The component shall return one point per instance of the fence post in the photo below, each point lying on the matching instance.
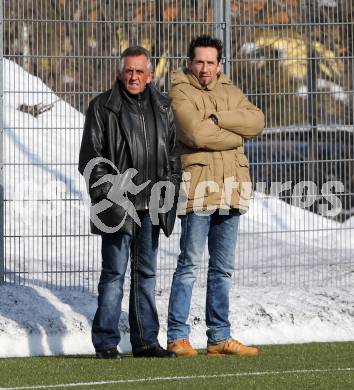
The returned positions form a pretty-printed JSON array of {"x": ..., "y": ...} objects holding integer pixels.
[
  {"x": 2, "y": 219},
  {"x": 312, "y": 97},
  {"x": 227, "y": 37},
  {"x": 218, "y": 19},
  {"x": 159, "y": 30},
  {"x": 221, "y": 29}
]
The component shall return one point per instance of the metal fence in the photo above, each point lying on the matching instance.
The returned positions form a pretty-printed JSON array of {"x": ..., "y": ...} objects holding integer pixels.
[{"x": 293, "y": 59}]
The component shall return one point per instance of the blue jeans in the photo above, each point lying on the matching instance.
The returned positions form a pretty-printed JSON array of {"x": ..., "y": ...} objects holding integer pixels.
[
  {"x": 221, "y": 231},
  {"x": 143, "y": 318}
]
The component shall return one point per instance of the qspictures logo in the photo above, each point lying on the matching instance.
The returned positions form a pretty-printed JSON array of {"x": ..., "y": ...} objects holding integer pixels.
[
  {"x": 123, "y": 189},
  {"x": 36, "y": 202}
]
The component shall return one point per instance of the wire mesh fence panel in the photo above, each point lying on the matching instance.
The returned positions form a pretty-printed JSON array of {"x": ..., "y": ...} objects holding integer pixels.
[{"x": 292, "y": 58}]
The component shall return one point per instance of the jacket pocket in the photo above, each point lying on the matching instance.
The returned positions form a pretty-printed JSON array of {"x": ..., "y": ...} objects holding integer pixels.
[
  {"x": 196, "y": 170},
  {"x": 244, "y": 179},
  {"x": 242, "y": 168}
]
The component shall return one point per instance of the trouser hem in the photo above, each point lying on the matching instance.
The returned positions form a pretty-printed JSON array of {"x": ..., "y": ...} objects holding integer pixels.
[
  {"x": 145, "y": 347},
  {"x": 105, "y": 348},
  {"x": 218, "y": 341}
]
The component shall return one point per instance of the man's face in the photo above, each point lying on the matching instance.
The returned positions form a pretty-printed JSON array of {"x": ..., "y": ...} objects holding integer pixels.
[
  {"x": 204, "y": 65},
  {"x": 136, "y": 74}
]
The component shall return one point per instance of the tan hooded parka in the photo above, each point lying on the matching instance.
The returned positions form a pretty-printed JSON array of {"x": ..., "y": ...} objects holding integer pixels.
[{"x": 215, "y": 168}]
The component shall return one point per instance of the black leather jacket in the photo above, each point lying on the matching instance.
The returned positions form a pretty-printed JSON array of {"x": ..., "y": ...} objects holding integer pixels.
[{"x": 110, "y": 132}]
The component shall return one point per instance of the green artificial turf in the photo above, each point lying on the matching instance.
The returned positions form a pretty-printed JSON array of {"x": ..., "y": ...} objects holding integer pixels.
[{"x": 273, "y": 369}]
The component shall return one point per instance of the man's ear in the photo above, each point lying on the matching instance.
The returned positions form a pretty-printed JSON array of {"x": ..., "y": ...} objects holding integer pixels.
[
  {"x": 150, "y": 77},
  {"x": 219, "y": 68},
  {"x": 189, "y": 63}
]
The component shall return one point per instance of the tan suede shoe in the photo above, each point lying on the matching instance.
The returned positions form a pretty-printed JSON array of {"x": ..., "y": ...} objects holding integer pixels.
[
  {"x": 231, "y": 347},
  {"x": 182, "y": 347}
]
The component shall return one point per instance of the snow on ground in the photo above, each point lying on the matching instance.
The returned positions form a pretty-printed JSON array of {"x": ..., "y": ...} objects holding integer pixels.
[
  {"x": 279, "y": 248},
  {"x": 37, "y": 321}
]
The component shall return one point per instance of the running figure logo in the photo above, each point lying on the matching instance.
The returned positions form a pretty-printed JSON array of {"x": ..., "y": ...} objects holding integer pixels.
[{"x": 122, "y": 185}]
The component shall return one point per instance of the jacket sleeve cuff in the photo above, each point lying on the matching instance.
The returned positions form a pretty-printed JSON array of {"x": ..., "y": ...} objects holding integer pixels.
[
  {"x": 209, "y": 113},
  {"x": 219, "y": 119},
  {"x": 99, "y": 193}
]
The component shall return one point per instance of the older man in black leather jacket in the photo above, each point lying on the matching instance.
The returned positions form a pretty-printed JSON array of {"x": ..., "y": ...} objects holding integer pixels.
[{"x": 128, "y": 148}]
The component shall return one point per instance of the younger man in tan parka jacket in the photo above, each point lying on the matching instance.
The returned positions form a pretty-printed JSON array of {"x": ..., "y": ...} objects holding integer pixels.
[{"x": 213, "y": 120}]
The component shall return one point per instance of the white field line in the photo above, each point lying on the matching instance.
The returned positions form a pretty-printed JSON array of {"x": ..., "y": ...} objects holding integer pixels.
[{"x": 179, "y": 378}]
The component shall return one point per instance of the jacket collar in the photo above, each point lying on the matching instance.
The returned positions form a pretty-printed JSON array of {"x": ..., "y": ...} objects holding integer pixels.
[
  {"x": 163, "y": 101},
  {"x": 185, "y": 76},
  {"x": 114, "y": 101}
]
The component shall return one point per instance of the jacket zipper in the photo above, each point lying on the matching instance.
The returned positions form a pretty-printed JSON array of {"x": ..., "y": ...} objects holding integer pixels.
[
  {"x": 147, "y": 148},
  {"x": 163, "y": 109}
]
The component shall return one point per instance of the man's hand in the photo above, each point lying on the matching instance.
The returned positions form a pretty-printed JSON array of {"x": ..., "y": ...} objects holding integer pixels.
[{"x": 214, "y": 120}]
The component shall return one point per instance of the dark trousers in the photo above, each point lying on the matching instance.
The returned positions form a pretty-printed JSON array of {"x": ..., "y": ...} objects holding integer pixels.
[{"x": 143, "y": 318}]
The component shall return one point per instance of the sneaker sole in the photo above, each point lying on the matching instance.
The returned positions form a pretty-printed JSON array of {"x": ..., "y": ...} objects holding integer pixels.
[
  {"x": 184, "y": 355},
  {"x": 228, "y": 354}
]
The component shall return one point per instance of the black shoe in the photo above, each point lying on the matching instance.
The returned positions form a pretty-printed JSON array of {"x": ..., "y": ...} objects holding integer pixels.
[
  {"x": 156, "y": 352},
  {"x": 110, "y": 353}
]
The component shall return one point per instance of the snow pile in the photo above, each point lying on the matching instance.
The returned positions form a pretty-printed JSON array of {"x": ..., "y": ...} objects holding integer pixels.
[
  {"x": 37, "y": 321},
  {"x": 49, "y": 141},
  {"x": 268, "y": 214},
  {"x": 41, "y": 176}
]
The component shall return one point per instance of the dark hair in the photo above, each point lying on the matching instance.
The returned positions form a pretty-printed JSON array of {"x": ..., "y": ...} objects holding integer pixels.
[
  {"x": 205, "y": 41},
  {"x": 134, "y": 51}
]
